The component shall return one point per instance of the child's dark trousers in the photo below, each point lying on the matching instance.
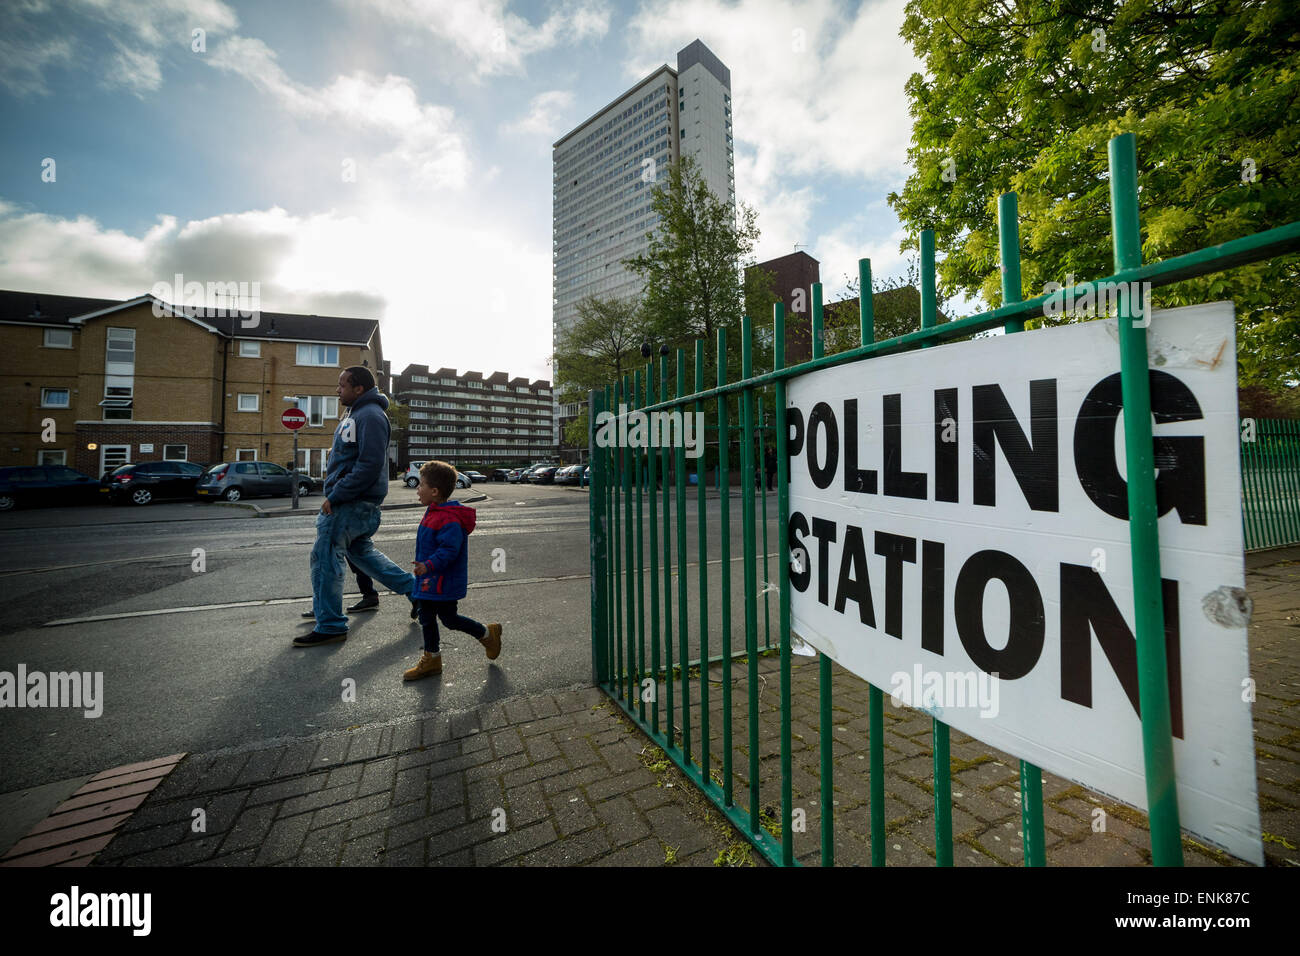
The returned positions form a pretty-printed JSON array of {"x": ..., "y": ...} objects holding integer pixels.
[{"x": 433, "y": 611}]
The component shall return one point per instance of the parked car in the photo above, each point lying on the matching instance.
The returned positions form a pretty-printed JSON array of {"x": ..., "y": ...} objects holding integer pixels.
[
  {"x": 499, "y": 474},
  {"x": 46, "y": 484},
  {"x": 233, "y": 480},
  {"x": 475, "y": 475},
  {"x": 144, "y": 482},
  {"x": 412, "y": 474},
  {"x": 514, "y": 475},
  {"x": 543, "y": 476},
  {"x": 569, "y": 475},
  {"x": 463, "y": 480}
]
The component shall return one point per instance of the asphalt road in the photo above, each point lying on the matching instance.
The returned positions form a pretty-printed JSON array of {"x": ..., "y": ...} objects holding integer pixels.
[{"x": 200, "y": 660}]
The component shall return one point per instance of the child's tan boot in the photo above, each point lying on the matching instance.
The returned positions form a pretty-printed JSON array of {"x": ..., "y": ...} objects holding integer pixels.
[
  {"x": 426, "y": 665},
  {"x": 491, "y": 641}
]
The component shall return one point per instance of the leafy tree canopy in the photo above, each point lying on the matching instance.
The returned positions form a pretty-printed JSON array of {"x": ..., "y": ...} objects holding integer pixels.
[{"x": 1023, "y": 95}]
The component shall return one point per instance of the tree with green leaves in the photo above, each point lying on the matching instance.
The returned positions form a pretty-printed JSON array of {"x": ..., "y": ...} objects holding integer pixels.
[
  {"x": 1023, "y": 95},
  {"x": 692, "y": 268},
  {"x": 598, "y": 349}
]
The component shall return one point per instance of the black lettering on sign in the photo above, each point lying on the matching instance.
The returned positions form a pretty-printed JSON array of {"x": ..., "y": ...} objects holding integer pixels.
[
  {"x": 1035, "y": 465},
  {"x": 800, "y": 576},
  {"x": 898, "y": 483},
  {"x": 1027, "y": 627},
  {"x": 1180, "y": 485},
  {"x": 945, "y": 444},
  {"x": 855, "y": 479},
  {"x": 822, "y": 476},
  {"x": 1087, "y": 608},
  {"x": 895, "y": 549},
  {"x": 793, "y": 443},
  {"x": 854, "y": 583},
  {"x": 824, "y": 531},
  {"x": 932, "y": 596}
]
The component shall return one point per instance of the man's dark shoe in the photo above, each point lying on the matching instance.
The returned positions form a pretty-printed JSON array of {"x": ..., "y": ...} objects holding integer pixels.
[
  {"x": 316, "y": 638},
  {"x": 368, "y": 603},
  {"x": 308, "y": 613}
]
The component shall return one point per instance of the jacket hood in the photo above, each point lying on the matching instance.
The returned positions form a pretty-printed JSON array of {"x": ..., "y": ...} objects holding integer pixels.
[
  {"x": 455, "y": 511},
  {"x": 371, "y": 396}
]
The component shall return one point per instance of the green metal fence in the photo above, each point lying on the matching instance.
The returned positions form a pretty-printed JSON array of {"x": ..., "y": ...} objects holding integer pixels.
[
  {"x": 1270, "y": 482},
  {"x": 665, "y": 694}
]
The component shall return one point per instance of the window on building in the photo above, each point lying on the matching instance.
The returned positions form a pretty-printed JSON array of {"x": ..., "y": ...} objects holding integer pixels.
[
  {"x": 447, "y": 381},
  {"x": 319, "y": 355},
  {"x": 55, "y": 397},
  {"x": 116, "y": 409},
  {"x": 176, "y": 452},
  {"x": 58, "y": 338},
  {"x": 250, "y": 402},
  {"x": 473, "y": 384},
  {"x": 51, "y": 457},
  {"x": 319, "y": 408},
  {"x": 249, "y": 349},
  {"x": 246, "y": 454},
  {"x": 421, "y": 379}
]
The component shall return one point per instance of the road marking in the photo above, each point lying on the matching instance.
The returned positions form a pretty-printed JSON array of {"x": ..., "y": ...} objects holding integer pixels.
[{"x": 268, "y": 602}]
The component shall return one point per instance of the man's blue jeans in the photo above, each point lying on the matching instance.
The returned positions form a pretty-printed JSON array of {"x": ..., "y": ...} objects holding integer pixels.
[{"x": 346, "y": 530}]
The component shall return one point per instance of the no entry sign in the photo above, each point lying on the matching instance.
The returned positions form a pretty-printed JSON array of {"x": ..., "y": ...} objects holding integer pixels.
[
  {"x": 959, "y": 537},
  {"x": 293, "y": 418}
]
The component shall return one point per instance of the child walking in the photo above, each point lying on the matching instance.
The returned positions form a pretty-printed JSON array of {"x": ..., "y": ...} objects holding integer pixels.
[{"x": 442, "y": 568}]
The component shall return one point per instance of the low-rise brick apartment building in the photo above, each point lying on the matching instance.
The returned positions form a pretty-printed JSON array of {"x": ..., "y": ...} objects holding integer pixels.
[
  {"x": 472, "y": 420},
  {"x": 96, "y": 383}
]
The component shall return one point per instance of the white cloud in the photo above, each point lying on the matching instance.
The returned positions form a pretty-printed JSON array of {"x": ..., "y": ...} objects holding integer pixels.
[
  {"x": 485, "y": 38},
  {"x": 543, "y": 115},
  {"x": 835, "y": 105},
  {"x": 454, "y": 288},
  {"x": 427, "y": 139},
  {"x": 138, "y": 73}
]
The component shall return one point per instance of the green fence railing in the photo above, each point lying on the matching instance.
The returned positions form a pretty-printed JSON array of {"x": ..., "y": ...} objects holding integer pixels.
[
  {"x": 661, "y": 699},
  {"x": 1270, "y": 482}
]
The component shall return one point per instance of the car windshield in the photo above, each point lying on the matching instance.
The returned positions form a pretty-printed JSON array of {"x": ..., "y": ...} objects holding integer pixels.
[{"x": 216, "y": 468}]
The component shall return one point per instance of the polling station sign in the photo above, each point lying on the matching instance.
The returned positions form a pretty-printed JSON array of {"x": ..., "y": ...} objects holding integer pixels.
[{"x": 959, "y": 517}]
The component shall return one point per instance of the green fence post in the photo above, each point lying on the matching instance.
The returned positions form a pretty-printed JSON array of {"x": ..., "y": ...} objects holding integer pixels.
[
  {"x": 1031, "y": 777},
  {"x": 1144, "y": 542},
  {"x": 611, "y": 607},
  {"x": 762, "y": 483},
  {"x": 652, "y": 498},
  {"x": 875, "y": 699},
  {"x": 825, "y": 735},
  {"x": 783, "y": 587},
  {"x": 669, "y": 711},
  {"x": 596, "y": 516},
  {"x": 724, "y": 530},
  {"x": 629, "y": 547},
  {"x": 942, "y": 760},
  {"x": 620, "y": 471},
  {"x": 747, "y": 528},
  {"x": 638, "y": 480},
  {"x": 702, "y": 537},
  {"x": 683, "y": 623}
]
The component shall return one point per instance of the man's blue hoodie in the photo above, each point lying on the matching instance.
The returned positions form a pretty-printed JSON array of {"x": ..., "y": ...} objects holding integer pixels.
[{"x": 358, "y": 468}]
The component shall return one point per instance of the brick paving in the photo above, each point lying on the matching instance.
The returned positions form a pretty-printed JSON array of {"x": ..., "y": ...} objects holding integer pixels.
[
  {"x": 985, "y": 782},
  {"x": 551, "y": 780},
  {"x": 565, "y": 779}
]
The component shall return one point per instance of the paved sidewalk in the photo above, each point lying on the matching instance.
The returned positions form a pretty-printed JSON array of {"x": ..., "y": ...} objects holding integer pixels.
[{"x": 557, "y": 779}]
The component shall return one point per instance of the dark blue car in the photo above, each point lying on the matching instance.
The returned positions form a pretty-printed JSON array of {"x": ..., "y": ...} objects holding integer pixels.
[{"x": 46, "y": 484}]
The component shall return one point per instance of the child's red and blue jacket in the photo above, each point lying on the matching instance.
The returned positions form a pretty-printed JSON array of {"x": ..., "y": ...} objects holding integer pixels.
[{"x": 442, "y": 543}]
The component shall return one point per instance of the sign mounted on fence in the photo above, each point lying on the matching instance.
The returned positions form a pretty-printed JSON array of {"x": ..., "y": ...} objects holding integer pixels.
[{"x": 959, "y": 538}]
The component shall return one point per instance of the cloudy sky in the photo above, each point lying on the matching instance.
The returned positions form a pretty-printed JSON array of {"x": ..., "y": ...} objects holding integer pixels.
[{"x": 392, "y": 158}]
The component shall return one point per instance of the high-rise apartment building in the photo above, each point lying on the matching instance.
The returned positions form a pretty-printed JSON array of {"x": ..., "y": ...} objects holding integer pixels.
[
  {"x": 472, "y": 419},
  {"x": 605, "y": 168}
]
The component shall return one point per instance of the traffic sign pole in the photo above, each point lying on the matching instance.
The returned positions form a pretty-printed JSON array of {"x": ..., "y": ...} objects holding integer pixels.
[{"x": 294, "y": 470}]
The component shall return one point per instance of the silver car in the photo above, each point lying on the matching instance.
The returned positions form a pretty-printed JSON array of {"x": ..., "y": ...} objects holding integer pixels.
[{"x": 233, "y": 480}]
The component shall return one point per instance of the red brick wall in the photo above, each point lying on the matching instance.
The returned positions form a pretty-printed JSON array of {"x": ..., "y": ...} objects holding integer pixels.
[{"x": 204, "y": 442}]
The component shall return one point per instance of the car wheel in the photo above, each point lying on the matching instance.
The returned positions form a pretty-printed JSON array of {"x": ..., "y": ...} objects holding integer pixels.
[
  {"x": 411, "y": 482},
  {"x": 304, "y": 490},
  {"x": 141, "y": 496},
  {"x": 232, "y": 494},
  {"x": 7, "y": 502}
]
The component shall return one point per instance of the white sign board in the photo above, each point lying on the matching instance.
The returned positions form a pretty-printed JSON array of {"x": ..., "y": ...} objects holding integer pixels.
[{"x": 961, "y": 511}]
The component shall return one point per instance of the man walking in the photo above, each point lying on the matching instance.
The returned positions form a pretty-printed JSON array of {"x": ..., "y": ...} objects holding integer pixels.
[{"x": 355, "y": 485}]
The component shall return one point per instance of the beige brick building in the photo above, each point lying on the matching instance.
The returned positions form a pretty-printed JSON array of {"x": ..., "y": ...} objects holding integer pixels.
[{"x": 96, "y": 383}]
